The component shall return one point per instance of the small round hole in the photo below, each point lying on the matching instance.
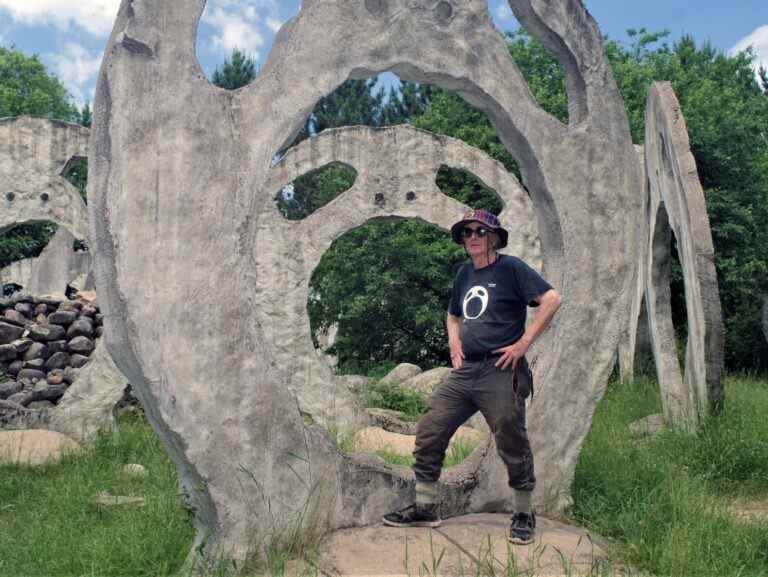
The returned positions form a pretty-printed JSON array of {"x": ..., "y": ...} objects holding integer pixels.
[
  {"x": 376, "y": 7},
  {"x": 379, "y": 199},
  {"x": 9, "y": 196},
  {"x": 410, "y": 195},
  {"x": 444, "y": 11},
  {"x": 45, "y": 197}
]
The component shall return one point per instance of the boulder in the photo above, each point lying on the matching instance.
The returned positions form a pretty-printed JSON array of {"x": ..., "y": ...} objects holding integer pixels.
[
  {"x": 7, "y": 353},
  {"x": 82, "y": 327},
  {"x": 9, "y": 388},
  {"x": 15, "y": 317},
  {"x": 55, "y": 377},
  {"x": 57, "y": 347},
  {"x": 373, "y": 439},
  {"x": 62, "y": 317},
  {"x": 392, "y": 421},
  {"x": 57, "y": 361},
  {"x": 40, "y": 406},
  {"x": 9, "y": 332},
  {"x": 36, "y": 351},
  {"x": 77, "y": 361},
  {"x": 22, "y": 398},
  {"x": 35, "y": 447},
  {"x": 426, "y": 382},
  {"x": 36, "y": 364},
  {"x": 31, "y": 374},
  {"x": 45, "y": 392},
  {"x": 400, "y": 373},
  {"x": 22, "y": 345},
  {"x": 14, "y": 368},
  {"x": 81, "y": 346},
  {"x": 40, "y": 309},
  {"x": 46, "y": 332},
  {"x": 25, "y": 308}
]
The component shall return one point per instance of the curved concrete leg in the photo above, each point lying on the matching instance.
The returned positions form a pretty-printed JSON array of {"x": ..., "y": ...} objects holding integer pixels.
[{"x": 677, "y": 206}]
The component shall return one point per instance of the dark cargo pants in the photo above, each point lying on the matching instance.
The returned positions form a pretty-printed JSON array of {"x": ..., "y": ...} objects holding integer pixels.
[{"x": 479, "y": 386}]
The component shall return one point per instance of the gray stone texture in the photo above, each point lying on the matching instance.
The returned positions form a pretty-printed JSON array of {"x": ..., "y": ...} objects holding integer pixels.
[
  {"x": 35, "y": 154},
  {"x": 194, "y": 187},
  {"x": 88, "y": 405},
  {"x": 677, "y": 206}
]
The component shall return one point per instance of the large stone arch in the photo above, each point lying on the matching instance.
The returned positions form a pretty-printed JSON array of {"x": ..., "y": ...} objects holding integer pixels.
[
  {"x": 35, "y": 154},
  {"x": 396, "y": 169},
  {"x": 677, "y": 206},
  {"x": 177, "y": 215}
]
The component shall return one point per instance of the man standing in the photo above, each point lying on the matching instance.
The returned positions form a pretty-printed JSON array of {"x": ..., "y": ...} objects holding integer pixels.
[{"x": 488, "y": 341}]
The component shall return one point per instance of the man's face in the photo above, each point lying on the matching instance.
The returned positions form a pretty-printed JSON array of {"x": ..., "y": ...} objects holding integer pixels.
[{"x": 477, "y": 239}]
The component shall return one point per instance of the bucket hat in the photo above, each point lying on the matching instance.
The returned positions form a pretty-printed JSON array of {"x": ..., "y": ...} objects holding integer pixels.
[{"x": 483, "y": 217}]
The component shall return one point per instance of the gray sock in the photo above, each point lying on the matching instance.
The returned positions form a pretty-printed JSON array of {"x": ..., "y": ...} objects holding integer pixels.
[
  {"x": 426, "y": 493},
  {"x": 521, "y": 501}
]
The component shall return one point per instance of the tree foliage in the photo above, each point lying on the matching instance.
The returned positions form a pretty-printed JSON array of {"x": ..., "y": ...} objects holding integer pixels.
[{"x": 237, "y": 71}]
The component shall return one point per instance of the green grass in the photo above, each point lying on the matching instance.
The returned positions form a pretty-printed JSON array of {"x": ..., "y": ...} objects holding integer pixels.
[
  {"x": 662, "y": 500},
  {"x": 50, "y": 528},
  {"x": 395, "y": 398},
  {"x": 458, "y": 451}
]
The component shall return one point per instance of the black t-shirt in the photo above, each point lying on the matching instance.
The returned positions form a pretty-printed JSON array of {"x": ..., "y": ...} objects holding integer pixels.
[{"x": 492, "y": 302}]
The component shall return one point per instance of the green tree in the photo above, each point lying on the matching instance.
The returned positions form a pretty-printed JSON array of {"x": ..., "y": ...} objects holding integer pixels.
[
  {"x": 386, "y": 285},
  {"x": 237, "y": 71},
  {"x": 26, "y": 88}
]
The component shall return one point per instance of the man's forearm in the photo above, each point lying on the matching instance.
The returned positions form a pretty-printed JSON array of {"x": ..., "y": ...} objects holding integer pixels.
[
  {"x": 453, "y": 327},
  {"x": 548, "y": 306}
]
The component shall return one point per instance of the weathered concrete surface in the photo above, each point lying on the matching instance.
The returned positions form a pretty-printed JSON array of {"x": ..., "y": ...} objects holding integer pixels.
[
  {"x": 183, "y": 196},
  {"x": 35, "y": 154},
  {"x": 396, "y": 171},
  {"x": 57, "y": 267},
  {"x": 466, "y": 545},
  {"x": 88, "y": 405},
  {"x": 628, "y": 344},
  {"x": 677, "y": 206}
]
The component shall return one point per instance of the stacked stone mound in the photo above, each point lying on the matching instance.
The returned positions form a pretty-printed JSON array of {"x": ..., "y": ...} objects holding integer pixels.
[{"x": 44, "y": 341}]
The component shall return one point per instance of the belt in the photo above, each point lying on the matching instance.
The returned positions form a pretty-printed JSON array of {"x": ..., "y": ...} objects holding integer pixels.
[{"x": 477, "y": 357}]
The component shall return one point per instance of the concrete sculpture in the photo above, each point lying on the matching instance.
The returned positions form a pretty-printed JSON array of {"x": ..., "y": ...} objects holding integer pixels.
[
  {"x": 57, "y": 267},
  {"x": 183, "y": 197},
  {"x": 396, "y": 171},
  {"x": 676, "y": 206},
  {"x": 35, "y": 156}
]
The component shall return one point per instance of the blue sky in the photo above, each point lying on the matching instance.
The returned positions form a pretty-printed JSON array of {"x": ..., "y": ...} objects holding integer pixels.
[{"x": 70, "y": 35}]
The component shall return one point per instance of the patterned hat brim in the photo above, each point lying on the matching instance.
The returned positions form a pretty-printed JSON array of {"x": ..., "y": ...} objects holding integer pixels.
[{"x": 457, "y": 228}]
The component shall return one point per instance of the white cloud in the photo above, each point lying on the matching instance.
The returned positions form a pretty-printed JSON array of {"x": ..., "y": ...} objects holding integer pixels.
[
  {"x": 503, "y": 11},
  {"x": 95, "y": 16},
  {"x": 758, "y": 40},
  {"x": 237, "y": 26},
  {"x": 77, "y": 68}
]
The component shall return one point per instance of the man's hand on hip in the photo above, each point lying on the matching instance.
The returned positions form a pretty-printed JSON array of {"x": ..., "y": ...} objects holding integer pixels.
[
  {"x": 457, "y": 355},
  {"x": 512, "y": 353}
]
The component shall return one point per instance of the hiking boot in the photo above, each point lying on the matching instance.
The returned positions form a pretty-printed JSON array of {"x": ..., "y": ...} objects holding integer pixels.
[
  {"x": 522, "y": 529},
  {"x": 416, "y": 515}
]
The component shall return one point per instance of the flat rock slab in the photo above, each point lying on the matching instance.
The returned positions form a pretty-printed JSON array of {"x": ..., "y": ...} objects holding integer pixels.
[
  {"x": 462, "y": 545},
  {"x": 34, "y": 447}
]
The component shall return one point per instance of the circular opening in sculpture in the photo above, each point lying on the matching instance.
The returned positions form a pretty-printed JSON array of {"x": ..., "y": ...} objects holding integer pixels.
[
  {"x": 313, "y": 190},
  {"x": 466, "y": 187},
  {"x": 377, "y": 300}
]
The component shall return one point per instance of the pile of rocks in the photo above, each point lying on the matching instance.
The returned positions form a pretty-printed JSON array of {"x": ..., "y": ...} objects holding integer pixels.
[{"x": 43, "y": 343}]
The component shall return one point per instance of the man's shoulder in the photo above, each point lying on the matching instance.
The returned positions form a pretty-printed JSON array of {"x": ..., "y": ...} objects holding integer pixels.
[{"x": 511, "y": 262}]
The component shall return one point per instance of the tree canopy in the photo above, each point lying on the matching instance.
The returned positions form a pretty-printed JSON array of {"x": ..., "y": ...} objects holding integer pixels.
[{"x": 237, "y": 71}]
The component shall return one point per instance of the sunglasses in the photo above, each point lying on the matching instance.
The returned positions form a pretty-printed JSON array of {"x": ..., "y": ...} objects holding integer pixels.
[{"x": 480, "y": 232}]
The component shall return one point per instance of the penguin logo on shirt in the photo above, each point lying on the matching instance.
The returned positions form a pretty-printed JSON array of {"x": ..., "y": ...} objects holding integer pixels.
[{"x": 476, "y": 297}]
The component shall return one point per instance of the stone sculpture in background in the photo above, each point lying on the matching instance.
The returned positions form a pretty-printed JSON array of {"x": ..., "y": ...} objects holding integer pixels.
[
  {"x": 59, "y": 266},
  {"x": 676, "y": 206},
  {"x": 35, "y": 156},
  {"x": 182, "y": 210}
]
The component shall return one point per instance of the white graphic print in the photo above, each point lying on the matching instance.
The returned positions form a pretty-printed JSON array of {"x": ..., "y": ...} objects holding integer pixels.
[{"x": 476, "y": 292}]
